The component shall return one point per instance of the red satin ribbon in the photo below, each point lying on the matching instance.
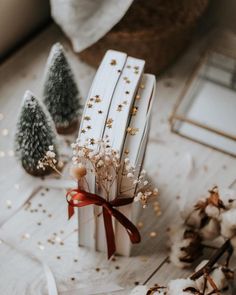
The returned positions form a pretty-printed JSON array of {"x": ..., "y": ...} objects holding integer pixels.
[{"x": 79, "y": 198}]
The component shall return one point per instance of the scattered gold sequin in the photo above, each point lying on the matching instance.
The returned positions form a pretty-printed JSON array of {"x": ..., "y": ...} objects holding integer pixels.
[
  {"x": 92, "y": 141},
  {"x": 109, "y": 123},
  {"x": 128, "y": 66},
  {"x": 26, "y": 236},
  {"x": 153, "y": 234},
  {"x": 83, "y": 131},
  {"x": 98, "y": 99},
  {"x": 125, "y": 78},
  {"x": 132, "y": 130},
  {"x": 126, "y": 151},
  {"x": 90, "y": 105},
  {"x": 100, "y": 111},
  {"x": 119, "y": 108},
  {"x": 136, "y": 72},
  {"x": 136, "y": 68},
  {"x": 134, "y": 111},
  {"x": 142, "y": 86},
  {"x": 140, "y": 224},
  {"x": 127, "y": 81},
  {"x": 113, "y": 62}
]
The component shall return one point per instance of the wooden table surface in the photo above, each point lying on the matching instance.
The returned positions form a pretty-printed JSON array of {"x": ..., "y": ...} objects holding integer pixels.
[{"x": 34, "y": 228}]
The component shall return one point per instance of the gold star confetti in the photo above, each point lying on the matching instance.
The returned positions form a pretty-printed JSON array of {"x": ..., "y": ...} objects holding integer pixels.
[
  {"x": 127, "y": 81},
  {"x": 119, "y": 107},
  {"x": 126, "y": 151},
  {"x": 100, "y": 112},
  {"x": 92, "y": 141},
  {"x": 5, "y": 132},
  {"x": 128, "y": 66},
  {"x": 26, "y": 236},
  {"x": 91, "y": 99},
  {"x": 140, "y": 224},
  {"x": 136, "y": 67},
  {"x": 88, "y": 127},
  {"x": 142, "y": 86},
  {"x": 87, "y": 118},
  {"x": 83, "y": 131},
  {"x": 153, "y": 234},
  {"x": 136, "y": 72},
  {"x": 134, "y": 111},
  {"x": 90, "y": 105},
  {"x": 109, "y": 123},
  {"x": 113, "y": 62},
  {"x": 132, "y": 131},
  {"x": 97, "y": 99},
  {"x": 125, "y": 78}
]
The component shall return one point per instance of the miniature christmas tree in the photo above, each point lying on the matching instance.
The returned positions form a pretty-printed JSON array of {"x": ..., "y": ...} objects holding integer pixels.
[
  {"x": 35, "y": 135},
  {"x": 61, "y": 95}
]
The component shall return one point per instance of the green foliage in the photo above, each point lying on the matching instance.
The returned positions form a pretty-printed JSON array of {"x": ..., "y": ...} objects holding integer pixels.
[
  {"x": 35, "y": 133},
  {"x": 60, "y": 93}
]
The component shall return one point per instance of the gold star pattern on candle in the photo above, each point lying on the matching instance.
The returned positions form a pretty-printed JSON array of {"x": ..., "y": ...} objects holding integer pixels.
[
  {"x": 92, "y": 141},
  {"x": 88, "y": 127},
  {"x": 90, "y": 105},
  {"x": 142, "y": 86},
  {"x": 97, "y": 99},
  {"x": 109, "y": 123},
  {"x": 119, "y": 107},
  {"x": 132, "y": 130},
  {"x": 83, "y": 131},
  {"x": 128, "y": 66},
  {"x": 87, "y": 118},
  {"x": 100, "y": 112},
  {"x": 91, "y": 99},
  {"x": 134, "y": 111},
  {"x": 113, "y": 62}
]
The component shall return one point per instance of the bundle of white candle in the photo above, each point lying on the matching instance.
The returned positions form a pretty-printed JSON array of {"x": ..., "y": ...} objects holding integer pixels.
[{"x": 110, "y": 148}]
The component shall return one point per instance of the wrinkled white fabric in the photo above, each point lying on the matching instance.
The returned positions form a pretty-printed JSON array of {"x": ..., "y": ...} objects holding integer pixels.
[{"x": 86, "y": 21}]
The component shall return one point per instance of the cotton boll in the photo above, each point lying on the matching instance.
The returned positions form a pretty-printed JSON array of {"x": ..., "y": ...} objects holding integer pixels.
[
  {"x": 176, "y": 233},
  {"x": 195, "y": 218},
  {"x": 217, "y": 275},
  {"x": 228, "y": 196},
  {"x": 177, "y": 287},
  {"x": 212, "y": 211},
  {"x": 228, "y": 223},
  {"x": 211, "y": 230},
  {"x": 178, "y": 254}
]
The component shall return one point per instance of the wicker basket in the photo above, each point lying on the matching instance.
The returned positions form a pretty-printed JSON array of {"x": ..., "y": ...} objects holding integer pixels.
[{"x": 154, "y": 30}]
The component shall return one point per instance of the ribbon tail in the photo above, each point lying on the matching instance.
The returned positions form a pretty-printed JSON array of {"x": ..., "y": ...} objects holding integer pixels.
[
  {"x": 131, "y": 229},
  {"x": 110, "y": 237},
  {"x": 71, "y": 211}
]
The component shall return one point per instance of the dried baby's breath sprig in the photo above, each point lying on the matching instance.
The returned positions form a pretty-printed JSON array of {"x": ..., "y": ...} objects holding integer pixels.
[
  {"x": 50, "y": 160},
  {"x": 105, "y": 163}
]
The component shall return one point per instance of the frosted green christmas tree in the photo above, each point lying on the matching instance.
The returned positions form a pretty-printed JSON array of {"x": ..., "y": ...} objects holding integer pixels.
[
  {"x": 60, "y": 92},
  {"x": 35, "y": 135}
]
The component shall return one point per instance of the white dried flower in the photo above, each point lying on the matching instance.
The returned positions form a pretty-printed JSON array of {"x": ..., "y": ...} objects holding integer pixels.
[
  {"x": 145, "y": 182},
  {"x": 212, "y": 211},
  {"x": 100, "y": 164},
  {"x": 218, "y": 275},
  {"x": 138, "y": 197},
  {"x": 51, "y": 148},
  {"x": 127, "y": 161},
  {"x": 228, "y": 196},
  {"x": 228, "y": 223},
  {"x": 180, "y": 286},
  {"x": 211, "y": 230},
  {"x": 155, "y": 191}
]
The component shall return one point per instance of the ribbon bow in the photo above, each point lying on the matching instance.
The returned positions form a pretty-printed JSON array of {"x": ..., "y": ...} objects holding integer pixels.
[{"x": 80, "y": 198}]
